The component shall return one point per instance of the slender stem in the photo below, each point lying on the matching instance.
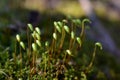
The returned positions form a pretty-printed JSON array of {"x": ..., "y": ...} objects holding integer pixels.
[
  {"x": 71, "y": 40},
  {"x": 70, "y": 45},
  {"x": 29, "y": 50},
  {"x": 45, "y": 63},
  {"x": 82, "y": 34},
  {"x": 34, "y": 54},
  {"x": 82, "y": 31},
  {"x": 62, "y": 38},
  {"x": 64, "y": 59},
  {"x": 15, "y": 52},
  {"x": 21, "y": 56},
  {"x": 93, "y": 57},
  {"x": 33, "y": 59},
  {"x": 53, "y": 43},
  {"x": 54, "y": 47}
]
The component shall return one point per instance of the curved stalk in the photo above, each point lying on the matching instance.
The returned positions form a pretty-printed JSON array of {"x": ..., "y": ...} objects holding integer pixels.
[{"x": 83, "y": 27}]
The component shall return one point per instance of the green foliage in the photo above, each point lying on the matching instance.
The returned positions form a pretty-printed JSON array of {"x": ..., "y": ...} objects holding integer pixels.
[{"x": 53, "y": 59}]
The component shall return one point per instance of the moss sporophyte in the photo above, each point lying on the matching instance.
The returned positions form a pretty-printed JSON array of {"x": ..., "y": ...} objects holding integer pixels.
[{"x": 56, "y": 57}]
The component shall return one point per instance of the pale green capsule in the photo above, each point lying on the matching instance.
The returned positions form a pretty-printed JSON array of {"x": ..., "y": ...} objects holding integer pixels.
[
  {"x": 66, "y": 28},
  {"x": 57, "y": 27},
  {"x": 72, "y": 35},
  {"x": 18, "y": 37},
  {"x": 22, "y": 45},
  {"x": 55, "y": 36},
  {"x": 69, "y": 52},
  {"x": 55, "y": 23},
  {"x": 78, "y": 22},
  {"x": 83, "y": 76},
  {"x": 99, "y": 45},
  {"x": 38, "y": 43},
  {"x": 65, "y": 21},
  {"x": 86, "y": 20},
  {"x": 33, "y": 34},
  {"x": 46, "y": 43},
  {"x": 37, "y": 36},
  {"x": 20, "y": 79},
  {"x": 30, "y": 27},
  {"x": 79, "y": 41},
  {"x": 34, "y": 47},
  {"x": 37, "y": 30},
  {"x": 60, "y": 24}
]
